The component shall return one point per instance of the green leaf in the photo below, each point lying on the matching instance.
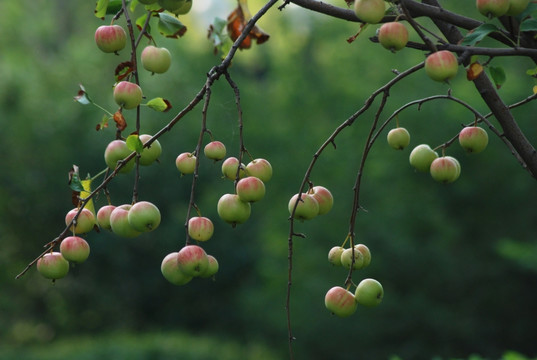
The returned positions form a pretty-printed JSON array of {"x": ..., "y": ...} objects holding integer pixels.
[
  {"x": 141, "y": 21},
  {"x": 113, "y": 7},
  {"x": 498, "y": 75},
  {"x": 75, "y": 184},
  {"x": 100, "y": 8},
  {"x": 159, "y": 104},
  {"x": 170, "y": 26},
  {"x": 478, "y": 34},
  {"x": 531, "y": 72},
  {"x": 220, "y": 39},
  {"x": 528, "y": 25},
  {"x": 134, "y": 143}
]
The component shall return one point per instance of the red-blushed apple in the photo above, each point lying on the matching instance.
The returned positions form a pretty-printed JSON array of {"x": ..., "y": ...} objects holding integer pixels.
[
  {"x": 398, "y": 138},
  {"x": 421, "y": 157},
  {"x": 370, "y": 11},
  {"x": 110, "y": 38},
  {"x": 149, "y": 154},
  {"x": 215, "y": 150},
  {"x": 232, "y": 209},
  {"x": 119, "y": 222},
  {"x": 365, "y": 252},
  {"x": 53, "y": 266},
  {"x": 517, "y": 7},
  {"x": 74, "y": 249},
  {"x": 250, "y": 189},
  {"x": 307, "y": 207},
  {"x": 192, "y": 260},
  {"x": 340, "y": 301},
  {"x": 103, "y": 216},
  {"x": 260, "y": 168},
  {"x": 84, "y": 222},
  {"x": 127, "y": 94},
  {"x": 393, "y": 36},
  {"x": 473, "y": 139},
  {"x": 144, "y": 216},
  {"x": 230, "y": 167},
  {"x": 186, "y": 163},
  {"x": 334, "y": 255},
  {"x": 324, "y": 198},
  {"x": 347, "y": 259},
  {"x": 369, "y": 292},
  {"x": 200, "y": 228},
  {"x": 441, "y": 65},
  {"x": 492, "y": 8},
  {"x": 445, "y": 169},
  {"x": 457, "y": 164},
  {"x": 156, "y": 59},
  {"x": 115, "y": 151},
  {"x": 212, "y": 269},
  {"x": 171, "y": 272}
]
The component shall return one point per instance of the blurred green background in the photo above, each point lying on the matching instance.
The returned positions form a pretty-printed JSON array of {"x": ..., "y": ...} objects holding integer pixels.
[{"x": 458, "y": 262}]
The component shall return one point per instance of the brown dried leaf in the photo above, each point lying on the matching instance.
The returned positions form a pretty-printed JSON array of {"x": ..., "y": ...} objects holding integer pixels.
[
  {"x": 121, "y": 123},
  {"x": 473, "y": 71},
  {"x": 236, "y": 23},
  {"x": 123, "y": 70}
]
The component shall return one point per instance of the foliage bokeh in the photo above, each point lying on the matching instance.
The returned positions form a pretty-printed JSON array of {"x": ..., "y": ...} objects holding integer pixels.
[{"x": 457, "y": 262}]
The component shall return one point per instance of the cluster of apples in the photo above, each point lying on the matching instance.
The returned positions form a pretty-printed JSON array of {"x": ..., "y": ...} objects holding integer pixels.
[
  {"x": 497, "y": 8},
  {"x": 369, "y": 292},
  {"x": 318, "y": 200},
  {"x": 117, "y": 150},
  {"x": 180, "y": 267},
  {"x": 157, "y": 60},
  {"x": 444, "y": 169}
]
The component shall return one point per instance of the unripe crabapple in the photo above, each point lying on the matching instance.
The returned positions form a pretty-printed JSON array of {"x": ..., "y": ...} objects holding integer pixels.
[
  {"x": 155, "y": 59},
  {"x": 492, "y": 8},
  {"x": 441, "y": 65},
  {"x": 421, "y": 157},
  {"x": 260, "y": 168},
  {"x": 232, "y": 209},
  {"x": 149, "y": 154},
  {"x": 370, "y": 11},
  {"x": 516, "y": 7},
  {"x": 171, "y": 272},
  {"x": 473, "y": 139},
  {"x": 53, "y": 266},
  {"x": 103, "y": 216},
  {"x": 306, "y": 208},
  {"x": 84, "y": 222},
  {"x": 324, "y": 198},
  {"x": 74, "y": 249},
  {"x": 393, "y": 36},
  {"x": 445, "y": 169},
  {"x": 186, "y": 163},
  {"x": 200, "y": 228},
  {"x": 250, "y": 189},
  {"x": 340, "y": 301},
  {"x": 398, "y": 138},
  {"x": 110, "y": 38},
  {"x": 127, "y": 94},
  {"x": 144, "y": 216},
  {"x": 230, "y": 167},
  {"x": 115, "y": 151},
  {"x": 192, "y": 260},
  {"x": 369, "y": 292},
  {"x": 215, "y": 150}
]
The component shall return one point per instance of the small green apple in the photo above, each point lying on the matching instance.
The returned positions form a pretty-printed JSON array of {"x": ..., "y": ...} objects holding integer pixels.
[
  {"x": 398, "y": 138},
  {"x": 306, "y": 208},
  {"x": 232, "y": 209},
  {"x": 149, "y": 154},
  {"x": 127, "y": 94},
  {"x": 421, "y": 157},
  {"x": 347, "y": 259},
  {"x": 473, "y": 139},
  {"x": 171, "y": 272},
  {"x": 370, "y": 11},
  {"x": 144, "y": 216},
  {"x": 334, "y": 255},
  {"x": 369, "y": 292},
  {"x": 53, "y": 266},
  {"x": 156, "y": 59}
]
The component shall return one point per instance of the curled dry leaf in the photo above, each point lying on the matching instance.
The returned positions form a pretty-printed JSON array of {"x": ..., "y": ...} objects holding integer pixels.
[
  {"x": 473, "y": 71},
  {"x": 121, "y": 123},
  {"x": 237, "y": 20}
]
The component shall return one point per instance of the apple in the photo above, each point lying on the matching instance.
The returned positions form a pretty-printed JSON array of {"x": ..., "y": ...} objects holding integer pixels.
[
  {"x": 250, "y": 189},
  {"x": 365, "y": 253},
  {"x": 441, "y": 65},
  {"x": 324, "y": 198},
  {"x": 445, "y": 170},
  {"x": 171, "y": 5},
  {"x": 192, "y": 260},
  {"x": 306, "y": 209},
  {"x": 170, "y": 270},
  {"x": 369, "y": 292},
  {"x": 156, "y": 59},
  {"x": 393, "y": 36},
  {"x": 116, "y": 151},
  {"x": 232, "y": 209},
  {"x": 347, "y": 261},
  {"x": 110, "y": 38},
  {"x": 144, "y": 216},
  {"x": 473, "y": 139},
  {"x": 260, "y": 168},
  {"x": 517, "y": 7},
  {"x": 103, "y": 216},
  {"x": 492, "y": 8},
  {"x": 370, "y": 11},
  {"x": 75, "y": 249},
  {"x": 212, "y": 269},
  {"x": 334, "y": 255},
  {"x": 186, "y": 163},
  {"x": 398, "y": 138},
  {"x": 53, "y": 266},
  {"x": 340, "y": 301},
  {"x": 185, "y": 9},
  {"x": 127, "y": 94},
  {"x": 84, "y": 222},
  {"x": 421, "y": 157},
  {"x": 215, "y": 150},
  {"x": 200, "y": 228},
  {"x": 149, "y": 154},
  {"x": 119, "y": 222},
  {"x": 230, "y": 167}
]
